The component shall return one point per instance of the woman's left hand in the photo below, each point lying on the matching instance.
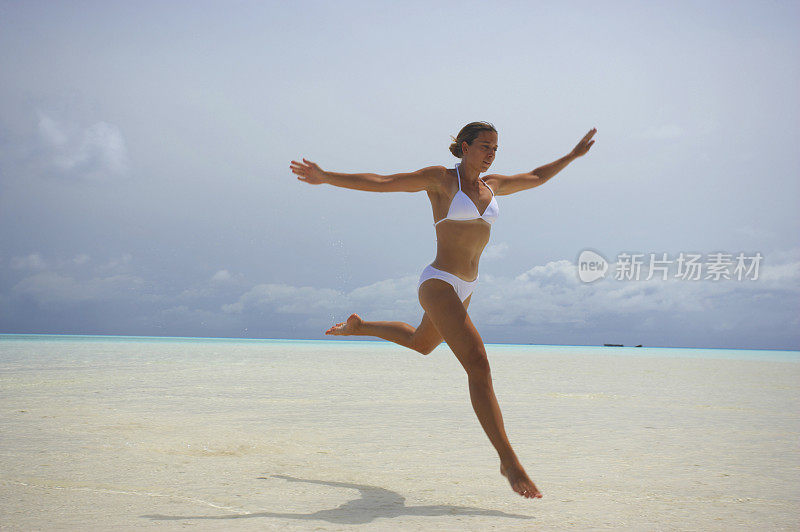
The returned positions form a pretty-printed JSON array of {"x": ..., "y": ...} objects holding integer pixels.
[{"x": 584, "y": 145}]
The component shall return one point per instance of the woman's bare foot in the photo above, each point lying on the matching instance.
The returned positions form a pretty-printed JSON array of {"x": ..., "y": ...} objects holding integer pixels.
[
  {"x": 351, "y": 326},
  {"x": 520, "y": 482}
]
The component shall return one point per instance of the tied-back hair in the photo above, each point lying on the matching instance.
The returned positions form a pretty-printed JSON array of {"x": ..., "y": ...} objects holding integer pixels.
[{"x": 469, "y": 133}]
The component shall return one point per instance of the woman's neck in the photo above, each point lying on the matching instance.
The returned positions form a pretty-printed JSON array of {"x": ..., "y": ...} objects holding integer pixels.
[{"x": 468, "y": 175}]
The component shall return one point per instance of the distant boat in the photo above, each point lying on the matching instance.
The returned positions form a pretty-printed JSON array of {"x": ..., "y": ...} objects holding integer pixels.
[
  {"x": 613, "y": 345},
  {"x": 640, "y": 345}
]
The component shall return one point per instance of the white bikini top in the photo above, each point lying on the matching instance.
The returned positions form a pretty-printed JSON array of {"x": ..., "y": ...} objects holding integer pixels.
[{"x": 462, "y": 208}]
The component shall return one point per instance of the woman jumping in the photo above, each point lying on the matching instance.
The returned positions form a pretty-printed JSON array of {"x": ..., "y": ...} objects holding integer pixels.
[{"x": 464, "y": 209}]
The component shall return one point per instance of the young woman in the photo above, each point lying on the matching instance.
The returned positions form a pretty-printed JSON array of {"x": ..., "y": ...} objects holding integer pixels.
[{"x": 464, "y": 209}]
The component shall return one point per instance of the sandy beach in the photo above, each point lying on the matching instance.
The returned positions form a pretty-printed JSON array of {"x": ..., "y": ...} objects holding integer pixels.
[{"x": 124, "y": 434}]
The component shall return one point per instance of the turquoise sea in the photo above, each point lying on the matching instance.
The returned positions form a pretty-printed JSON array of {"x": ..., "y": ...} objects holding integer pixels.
[{"x": 532, "y": 349}]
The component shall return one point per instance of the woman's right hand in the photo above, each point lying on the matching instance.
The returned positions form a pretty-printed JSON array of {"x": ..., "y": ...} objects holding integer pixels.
[{"x": 309, "y": 172}]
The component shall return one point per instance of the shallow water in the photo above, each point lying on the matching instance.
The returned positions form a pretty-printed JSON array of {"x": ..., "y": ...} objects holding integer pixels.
[{"x": 98, "y": 432}]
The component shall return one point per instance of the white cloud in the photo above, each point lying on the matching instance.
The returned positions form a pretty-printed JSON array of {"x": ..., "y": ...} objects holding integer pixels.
[
  {"x": 544, "y": 298},
  {"x": 96, "y": 152},
  {"x": 544, "y": 295},
  {"x": 786, "y": 274},
  {"x": 221, "y": 276},
  {"x": 553, "y": 294},
  {"x": 495, "y": 251},
  {"x": 283, "y": 299},
  {"x": 51, "y": 132},
  {"x": 53, "y": 288},
  {"x": 33, "y": 261},
  {"x": 219, "y": 286},
  {"x": 562, "y": 271},
  {"x": 391, "y": 299}
]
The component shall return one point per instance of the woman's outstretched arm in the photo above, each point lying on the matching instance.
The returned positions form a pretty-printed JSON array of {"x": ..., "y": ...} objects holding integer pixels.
[
  {"x": 424, "y": 179},
  {"x": 509, "y": 184}
]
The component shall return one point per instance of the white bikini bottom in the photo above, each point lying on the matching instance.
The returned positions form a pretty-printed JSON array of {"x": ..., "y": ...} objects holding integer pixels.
[{"x": 463, "y": 288}]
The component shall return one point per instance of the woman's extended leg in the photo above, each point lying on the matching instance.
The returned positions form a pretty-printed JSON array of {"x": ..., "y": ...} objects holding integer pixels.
[
  {"x": 423, "y": 339},
  {"x": 450, "y": 318}
]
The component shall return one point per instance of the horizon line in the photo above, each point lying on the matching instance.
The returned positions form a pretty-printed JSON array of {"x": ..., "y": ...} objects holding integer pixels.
[{"x": 236, "y": 338}]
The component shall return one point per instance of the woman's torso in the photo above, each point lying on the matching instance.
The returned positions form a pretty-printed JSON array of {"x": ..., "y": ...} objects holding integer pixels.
[{"x": 459, "y": 243}]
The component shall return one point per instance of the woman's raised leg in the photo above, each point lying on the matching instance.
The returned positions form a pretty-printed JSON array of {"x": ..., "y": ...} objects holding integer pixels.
[
  {"x": 450, "y": 318},
  {"x": 424, "y": 339}
]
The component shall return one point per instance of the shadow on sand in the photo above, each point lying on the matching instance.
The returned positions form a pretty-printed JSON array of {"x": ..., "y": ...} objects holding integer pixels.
[{"x": 374, "y": 503}]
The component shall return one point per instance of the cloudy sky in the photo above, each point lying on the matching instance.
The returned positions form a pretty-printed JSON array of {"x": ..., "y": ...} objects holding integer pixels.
[{"x": 145, "y": 147}]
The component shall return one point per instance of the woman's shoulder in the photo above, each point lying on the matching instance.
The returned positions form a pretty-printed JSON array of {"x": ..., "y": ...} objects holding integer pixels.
[
  {"x": 442, "y": 177},
  {"x": 437, "y": 170},
  {"x": 441, "y": 171}
]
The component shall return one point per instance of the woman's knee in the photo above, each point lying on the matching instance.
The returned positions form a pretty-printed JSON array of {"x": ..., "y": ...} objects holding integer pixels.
[
  {"x": 477, "y": 364},
  {"x": 427, "y": 349},
  {"x": 424, "y": 347},
  {"x": 426, "y": 337}
]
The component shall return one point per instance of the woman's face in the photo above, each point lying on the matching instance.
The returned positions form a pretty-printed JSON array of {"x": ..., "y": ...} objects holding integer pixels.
[{"x": 482, "y": 151}]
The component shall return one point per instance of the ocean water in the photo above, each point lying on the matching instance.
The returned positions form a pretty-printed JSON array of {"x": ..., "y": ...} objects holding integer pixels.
[
  {"x": 9, "y": 340},
  {"x": 99, "y": 432}
]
